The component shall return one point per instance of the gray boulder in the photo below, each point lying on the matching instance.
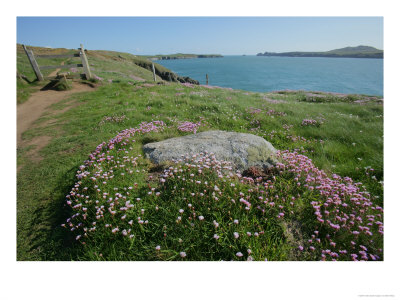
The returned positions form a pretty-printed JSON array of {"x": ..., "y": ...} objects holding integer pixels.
[{"x": 243, "y": 150}]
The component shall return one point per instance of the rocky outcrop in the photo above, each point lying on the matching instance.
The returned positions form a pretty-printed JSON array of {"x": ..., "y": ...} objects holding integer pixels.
[
  {"x": 243, "y": 150},
  {"x": 166, "y": 75},
  {"x": 169, "y": 76}
]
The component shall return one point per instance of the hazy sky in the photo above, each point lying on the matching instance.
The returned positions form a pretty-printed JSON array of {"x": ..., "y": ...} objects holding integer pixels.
[{"x": 219, "y": 35}]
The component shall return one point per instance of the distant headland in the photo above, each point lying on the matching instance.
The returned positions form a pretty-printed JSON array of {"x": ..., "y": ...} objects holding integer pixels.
[
  {"x": 182, "y": 56},
  {"x": 351, "y": 52}
]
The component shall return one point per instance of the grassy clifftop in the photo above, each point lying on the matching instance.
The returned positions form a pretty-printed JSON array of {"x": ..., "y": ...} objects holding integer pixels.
[
  {"x": 330, "y": 143},
  {"x": 106, "y": 65}
]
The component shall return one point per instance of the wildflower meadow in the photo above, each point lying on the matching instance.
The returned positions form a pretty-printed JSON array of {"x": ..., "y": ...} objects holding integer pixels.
[{"x": 199, "y": 208}]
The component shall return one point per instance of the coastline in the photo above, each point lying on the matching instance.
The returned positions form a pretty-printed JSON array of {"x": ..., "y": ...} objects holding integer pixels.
[
  {"x": 258, "y": 74},
  {"x": 182, "y": 56}
]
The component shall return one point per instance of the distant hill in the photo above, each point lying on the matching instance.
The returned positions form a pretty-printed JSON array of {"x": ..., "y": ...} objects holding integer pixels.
[
  {"x": 352, "y": 52},
  {"x": 181, "y": 56}
]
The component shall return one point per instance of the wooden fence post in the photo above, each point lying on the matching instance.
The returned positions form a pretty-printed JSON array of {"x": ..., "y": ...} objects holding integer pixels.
[
  {"x": 85, "y": 63},
  {"x": 154, "y": 72},
  {"x": 206, "y": 79},
  {"x": 34, "y": 64}
]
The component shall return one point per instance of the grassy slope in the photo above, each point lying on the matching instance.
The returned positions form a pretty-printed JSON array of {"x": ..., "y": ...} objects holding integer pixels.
[
  {"x": 24, "y": 89},
  {"x": 118, "y": 66},
  {"x": 352, "y": 137},
  {"x": 105, "y": 64}
]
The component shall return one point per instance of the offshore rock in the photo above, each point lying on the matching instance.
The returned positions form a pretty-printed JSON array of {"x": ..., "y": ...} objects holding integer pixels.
[{"x": 243, "y": 150}]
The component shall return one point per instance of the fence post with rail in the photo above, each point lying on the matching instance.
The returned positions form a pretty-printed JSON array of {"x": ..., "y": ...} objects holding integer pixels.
[{"x": 37, "y": 69}]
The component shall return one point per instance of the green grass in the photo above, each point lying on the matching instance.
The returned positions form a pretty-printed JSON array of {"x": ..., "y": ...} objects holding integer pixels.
[
  {"x": 349, "y": 139},
  {"x": 108, "y": 65},
  {"x": 111, "y": 65},
  {"x": 43, "y": 186},
  {"x": 26, "y": 87}
]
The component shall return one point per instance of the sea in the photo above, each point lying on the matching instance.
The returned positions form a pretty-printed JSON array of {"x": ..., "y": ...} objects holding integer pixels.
[{"x": 265, "y": 74}]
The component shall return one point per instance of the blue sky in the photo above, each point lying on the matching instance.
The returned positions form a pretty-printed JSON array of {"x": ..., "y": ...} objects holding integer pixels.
[{"x": 222, "y": 35}]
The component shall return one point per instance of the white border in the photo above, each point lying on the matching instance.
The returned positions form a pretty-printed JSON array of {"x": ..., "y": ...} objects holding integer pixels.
[{"x": 286, "y": 280}]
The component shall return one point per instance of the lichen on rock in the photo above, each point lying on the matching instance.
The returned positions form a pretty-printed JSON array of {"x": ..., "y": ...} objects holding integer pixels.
[{"x": 243, "y": 150}]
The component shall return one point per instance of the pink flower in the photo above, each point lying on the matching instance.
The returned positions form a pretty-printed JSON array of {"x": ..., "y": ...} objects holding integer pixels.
[
  {"x": 239, "y": 254},
  {"x": 189, "y": 126},
  {"x": 236, "y": 235},
  {"x": 182, "y": 254}
]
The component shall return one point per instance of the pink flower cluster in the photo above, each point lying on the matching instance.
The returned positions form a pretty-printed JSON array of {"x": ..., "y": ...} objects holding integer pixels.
[
  {"x": 97, "y": 77},
  {"x": 187, "y": 84},
  {"x": 189, "y": 126},
  {"x": 215, "y": 87},
  {"x": 253, "y": 110},
  {"x": 342, "y": 208},
  {"x": 106, "y": 204},
  {"x": 116, "y": 119},
  {"x": 345, "y": 217},
  {"x": 273, "y": 101},
  {"x": 346, "y": 223},
  {"x": 309, "y": 122},
  {"x": 270, "y": 112}
]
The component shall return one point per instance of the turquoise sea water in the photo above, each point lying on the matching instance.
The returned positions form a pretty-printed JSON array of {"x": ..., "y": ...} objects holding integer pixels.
[{"x": 263, "y": 74}]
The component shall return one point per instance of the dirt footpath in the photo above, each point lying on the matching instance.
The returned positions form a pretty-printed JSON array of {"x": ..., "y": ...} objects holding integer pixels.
[{"x": 29, "y": 111}]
